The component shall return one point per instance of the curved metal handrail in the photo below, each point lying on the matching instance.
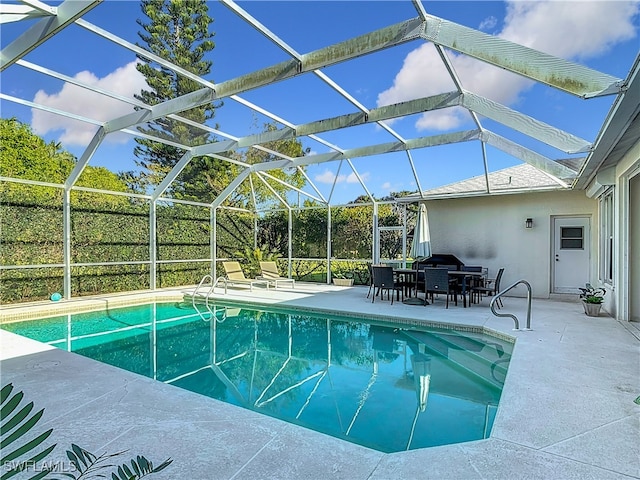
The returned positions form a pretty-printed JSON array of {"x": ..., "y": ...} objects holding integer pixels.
[
  {"x": 515, "y": 319},
  {"x": 206, "y": 297}
]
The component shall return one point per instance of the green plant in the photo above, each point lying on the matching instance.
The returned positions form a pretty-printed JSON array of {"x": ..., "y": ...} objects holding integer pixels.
[
  {"x": 87, "y": 464},
  {"x": 21, "y": 451},
  {"x": 591, "y": 294},
  {"x": 342, "y": 275},
  {"x": 17, "y": 425}
]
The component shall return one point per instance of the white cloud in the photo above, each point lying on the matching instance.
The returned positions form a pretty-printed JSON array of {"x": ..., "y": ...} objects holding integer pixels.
[
  {"x": 386, "y": 186},
  {"x": 124, "y": 81},
  {"x": 422, "y": 74},
  {"x": 543, "y": 25},
  {"x": 570, "y": 29},
  {"x": 351, "y": 178},
  {"x": 488, "y": 23},
  {"x": 329, "y": 177},
  {"x": 326, "y": 177}
]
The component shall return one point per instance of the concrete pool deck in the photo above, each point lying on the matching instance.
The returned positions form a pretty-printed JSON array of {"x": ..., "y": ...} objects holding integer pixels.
[{"x": 567, "y": 408}]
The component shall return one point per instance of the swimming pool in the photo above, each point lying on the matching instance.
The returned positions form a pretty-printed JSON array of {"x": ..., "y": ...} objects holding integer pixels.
[{"x": 387, "y": 387}]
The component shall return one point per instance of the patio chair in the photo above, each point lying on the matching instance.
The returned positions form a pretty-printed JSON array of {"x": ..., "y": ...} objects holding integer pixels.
[
  {"x": 491, "y": 287},
  {"x": 235, "y": 276},
  {"x": 436, "y": 280},
  {"x": 465, "y": 285},
  {"x": 270, "y": 273},
  {"x": 369, "y": 269},
  {"x": 384, "y": 279}
]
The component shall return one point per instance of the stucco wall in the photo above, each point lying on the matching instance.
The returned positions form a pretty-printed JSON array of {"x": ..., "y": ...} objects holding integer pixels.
[
  {"x": 490, "y": 231},
  {"x": 634, "y": 250},
  {"x": 627, "y": 231}
]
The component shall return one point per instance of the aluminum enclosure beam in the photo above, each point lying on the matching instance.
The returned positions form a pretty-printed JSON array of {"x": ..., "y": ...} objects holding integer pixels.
[
  {"x": 32, "y": 9},
  {"x": 44, "y": 29},
  {"x": 529, "y": 156},
  {"x": 370, "y": 150},
  {"x": 371, "y": 42},
  {"x": 387, "y": 112},
  {"x": 541, "y": 67},
  {"x": 525, "y": 124}
]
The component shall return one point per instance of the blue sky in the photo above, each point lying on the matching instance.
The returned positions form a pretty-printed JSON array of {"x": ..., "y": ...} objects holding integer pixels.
[{"x": 575, "y": 30}]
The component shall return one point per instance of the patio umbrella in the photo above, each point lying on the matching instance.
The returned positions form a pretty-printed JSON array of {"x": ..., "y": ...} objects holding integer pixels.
[{"x": 421, "y": 245}]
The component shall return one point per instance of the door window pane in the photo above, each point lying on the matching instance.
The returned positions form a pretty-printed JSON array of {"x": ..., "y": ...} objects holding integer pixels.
[{"x": 571, "y": 238}]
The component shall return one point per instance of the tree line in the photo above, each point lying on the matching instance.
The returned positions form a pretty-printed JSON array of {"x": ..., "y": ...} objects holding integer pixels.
[{"x": 115, "y": 228}]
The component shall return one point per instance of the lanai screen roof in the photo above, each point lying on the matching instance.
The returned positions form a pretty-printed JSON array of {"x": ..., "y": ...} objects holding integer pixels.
[{"x": 284, "y": 70}]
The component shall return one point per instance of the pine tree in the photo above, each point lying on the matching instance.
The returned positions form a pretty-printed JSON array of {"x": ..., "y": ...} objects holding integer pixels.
[{"x": 178, "y": 31}]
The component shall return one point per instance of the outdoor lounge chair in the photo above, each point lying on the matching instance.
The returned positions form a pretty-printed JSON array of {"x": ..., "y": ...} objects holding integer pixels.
[
  {"x": 235, "y": 276},
  {"x": 270, "y": 273}
]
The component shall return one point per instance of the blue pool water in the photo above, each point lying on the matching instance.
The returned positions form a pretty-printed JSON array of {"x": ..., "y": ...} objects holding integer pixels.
[{"x": 391, "y": 388}]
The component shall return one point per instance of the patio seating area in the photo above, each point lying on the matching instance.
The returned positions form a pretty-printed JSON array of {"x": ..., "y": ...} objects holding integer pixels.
[{"x": 581, "y": 423}]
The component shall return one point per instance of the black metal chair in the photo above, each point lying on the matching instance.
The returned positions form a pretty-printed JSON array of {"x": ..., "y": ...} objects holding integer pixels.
[
  {"x": 384, "y": 279},
  {"x": 471, "y": 282},
  {"x": 369, "y": 269},
  {"x": 492, "y": 287},
  {"x": 436, "y": 280}
]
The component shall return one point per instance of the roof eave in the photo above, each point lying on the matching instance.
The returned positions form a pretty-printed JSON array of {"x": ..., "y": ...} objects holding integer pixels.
[
  {"x": 625, "y": 108},
  {"x": 478, "y": 193}
]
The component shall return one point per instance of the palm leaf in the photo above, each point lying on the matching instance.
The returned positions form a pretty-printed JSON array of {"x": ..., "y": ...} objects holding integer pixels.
[
  {"x": 11, "y": 404},
  {"x": 141, "y": 468},
  {"x": 4, "y": 393},
  {"x": 25, "y": 427},
  {"x": 18, "y": 417},
  {"x": 27, "y": 447},
  {"x": 19, "y": 421},
  {"x": 24, "y": 465},
  {"x": 87, "y": 464}
]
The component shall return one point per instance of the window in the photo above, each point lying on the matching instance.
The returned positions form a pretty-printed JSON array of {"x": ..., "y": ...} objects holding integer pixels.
[
  {"x": 606, "y": 237},
  {"x": 571, "y": 238}
]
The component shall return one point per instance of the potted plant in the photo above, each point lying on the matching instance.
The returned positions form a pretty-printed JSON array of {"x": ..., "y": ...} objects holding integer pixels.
[
  {"x": 343, "y": 279},
  {"x": 592, "y": 299}
]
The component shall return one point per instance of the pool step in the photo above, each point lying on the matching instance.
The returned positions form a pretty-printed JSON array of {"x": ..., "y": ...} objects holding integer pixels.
[{"x": 487, "y": 361}]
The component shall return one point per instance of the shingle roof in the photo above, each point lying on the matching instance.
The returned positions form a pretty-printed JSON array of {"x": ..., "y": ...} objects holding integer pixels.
[{"x": 509, "y": 180}]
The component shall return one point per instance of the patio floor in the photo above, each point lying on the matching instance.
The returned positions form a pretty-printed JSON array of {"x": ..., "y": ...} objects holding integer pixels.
[{"x": 567, "y": 408}]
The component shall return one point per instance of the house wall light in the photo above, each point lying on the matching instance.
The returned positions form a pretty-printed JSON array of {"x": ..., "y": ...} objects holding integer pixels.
[{"x": 528, "y": 223}]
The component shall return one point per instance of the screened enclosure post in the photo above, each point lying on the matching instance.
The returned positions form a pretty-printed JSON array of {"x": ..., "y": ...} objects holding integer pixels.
[
  {"x": 66, "y": 242},
  {"x": 328, "y": 244},
  {"x": 255, "y": 230},
  {"x": 404, "y": 236},
  {"x": 214, "y": 243},
  {"x": 375, "y": 255},
  {"x": 290, "y": 242},
  {"x": 152, "y": 244}
]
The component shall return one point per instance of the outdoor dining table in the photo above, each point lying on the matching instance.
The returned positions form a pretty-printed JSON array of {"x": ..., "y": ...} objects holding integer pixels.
[{"x": 409, "y": 278}]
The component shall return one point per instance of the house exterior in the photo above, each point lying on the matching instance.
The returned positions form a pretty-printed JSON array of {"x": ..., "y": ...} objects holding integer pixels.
[
  {"x": 492, "y": 231},
  {"x": 586, "y": 232}
]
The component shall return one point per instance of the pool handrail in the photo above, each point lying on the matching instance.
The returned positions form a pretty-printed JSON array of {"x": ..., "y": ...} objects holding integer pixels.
[
  {"x": 208, "y": 295},
  {"x": 515, "y": 319}
]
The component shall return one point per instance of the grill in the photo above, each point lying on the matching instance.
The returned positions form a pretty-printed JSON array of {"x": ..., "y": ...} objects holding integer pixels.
[{"x": 438, "y": 260}]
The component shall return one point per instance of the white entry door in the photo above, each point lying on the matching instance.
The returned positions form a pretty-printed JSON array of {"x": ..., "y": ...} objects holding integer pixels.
[{"x": 572, "y": 244}]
